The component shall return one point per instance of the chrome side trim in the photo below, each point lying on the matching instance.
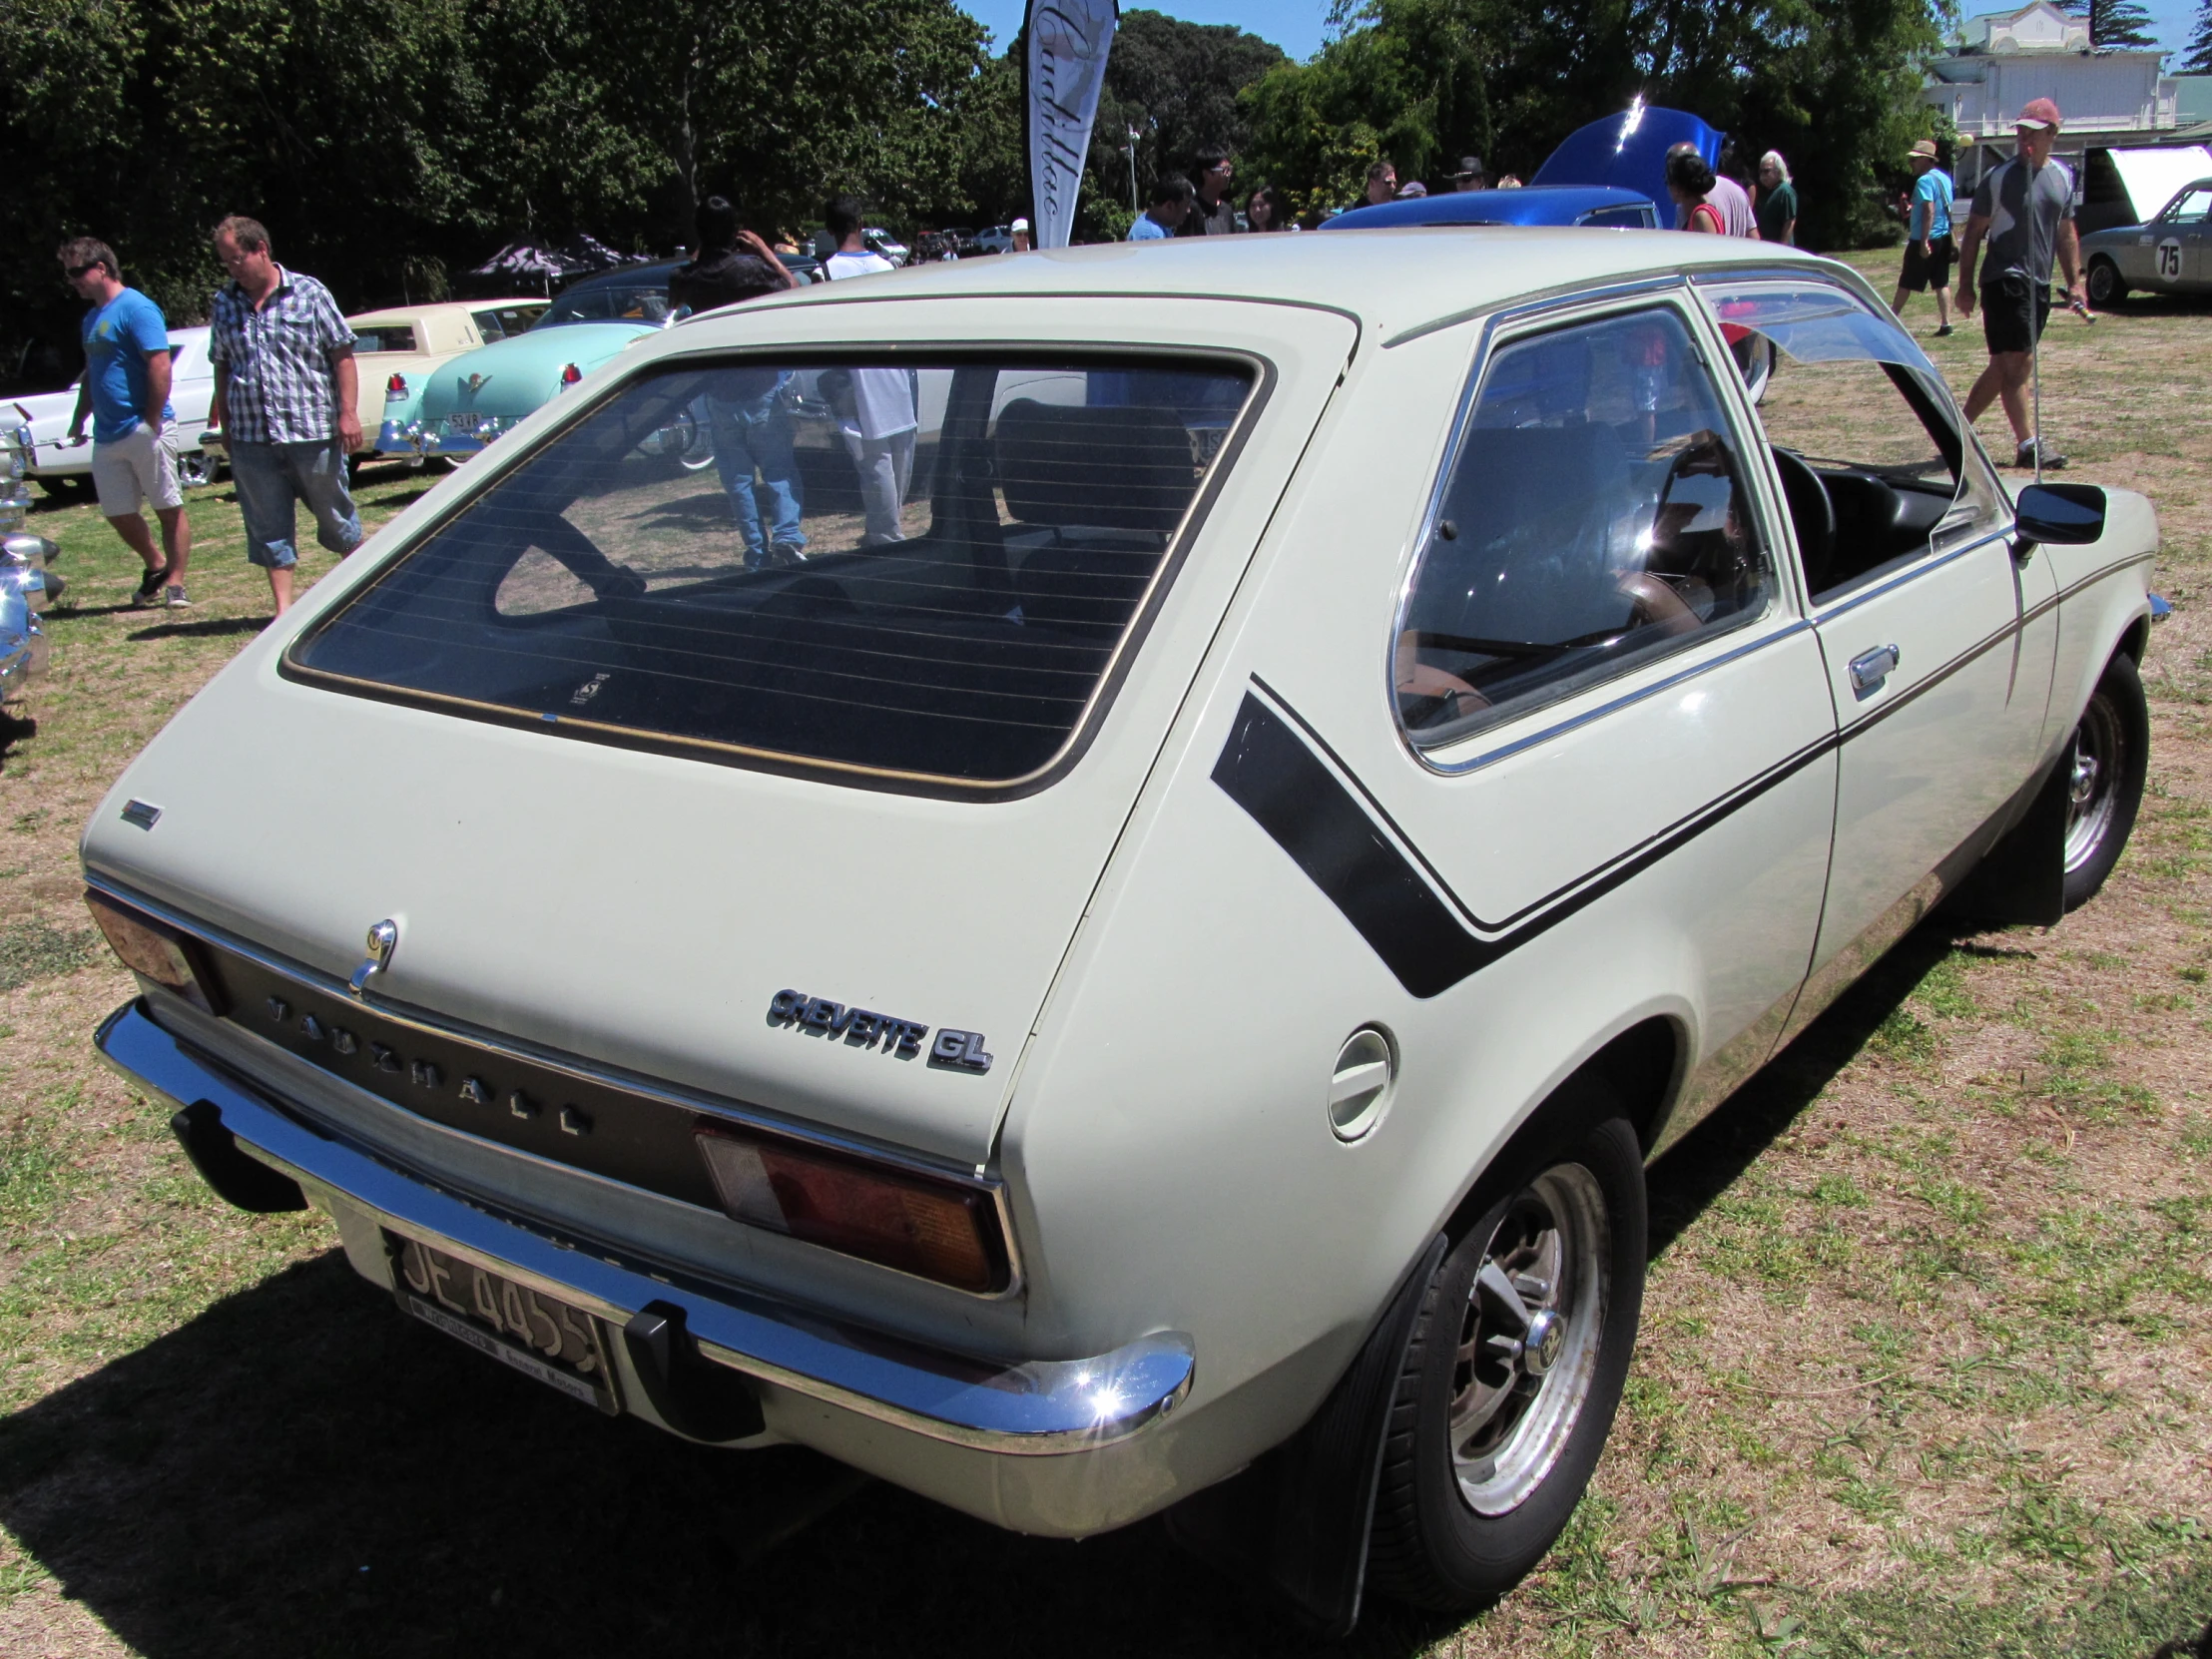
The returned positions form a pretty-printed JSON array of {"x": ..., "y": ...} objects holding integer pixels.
[
  {"x": 736, "y": 1113},
  {"x": 1914, "y": 574},
  {"x": 1037, "y": 1407},
  {"x": 1453, "y": 768}
]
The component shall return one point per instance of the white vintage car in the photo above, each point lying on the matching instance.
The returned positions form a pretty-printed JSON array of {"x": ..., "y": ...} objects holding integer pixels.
[
  {"x": 64, "y": 470},
  {"x": 1141, "y": 972}
]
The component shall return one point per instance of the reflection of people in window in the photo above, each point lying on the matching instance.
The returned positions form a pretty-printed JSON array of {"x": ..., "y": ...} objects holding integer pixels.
[{"x": 874, "y": 406}]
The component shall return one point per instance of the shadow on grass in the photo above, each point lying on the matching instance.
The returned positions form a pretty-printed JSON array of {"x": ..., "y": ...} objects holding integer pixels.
[
  {"x": 15, "y": 729},
  {"x": 301, "y": 1469},
  {"x": 1707, "y": 1161},
  {"x": 212, "y": 629}
]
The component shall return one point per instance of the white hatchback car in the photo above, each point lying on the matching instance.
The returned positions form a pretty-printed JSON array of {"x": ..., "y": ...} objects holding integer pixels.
[{"x": 1148, "y": 979}]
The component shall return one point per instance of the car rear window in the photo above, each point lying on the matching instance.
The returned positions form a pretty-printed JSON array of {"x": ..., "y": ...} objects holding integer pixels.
[
  {"x": 383, "y": 337},
  {"x": 919, "y": 570}
]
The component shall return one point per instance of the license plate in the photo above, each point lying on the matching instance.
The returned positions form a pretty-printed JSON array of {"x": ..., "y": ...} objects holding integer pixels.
[
  {"x": 463, "y": 421},
  {"x": 538, "y": 1335}
]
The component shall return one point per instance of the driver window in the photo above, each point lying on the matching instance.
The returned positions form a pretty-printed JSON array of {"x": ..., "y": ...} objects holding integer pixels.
[
  {"x": 2194, "y": 203},
  {"x": 1594, "y": 516},
  {"x": 1870, "y": 464}
]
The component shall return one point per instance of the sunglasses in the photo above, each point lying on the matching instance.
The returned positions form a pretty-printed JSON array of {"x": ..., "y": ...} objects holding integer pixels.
[{"x": 76, "y": 271}]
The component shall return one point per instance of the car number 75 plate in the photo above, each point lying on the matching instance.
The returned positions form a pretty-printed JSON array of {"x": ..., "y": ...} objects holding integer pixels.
[{"x": 538, "y": 1335}]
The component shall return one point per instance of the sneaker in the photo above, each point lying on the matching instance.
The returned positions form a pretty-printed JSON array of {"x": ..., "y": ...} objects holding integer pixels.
[
  {"x": 175, "y": 596},
  {"x": 149, "y": 590},
  {"x": 1946, "y": 328},
  {"x": 2025, "y": 458}
]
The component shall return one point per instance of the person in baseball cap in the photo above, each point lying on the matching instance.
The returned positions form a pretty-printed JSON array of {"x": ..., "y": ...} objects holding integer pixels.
[
  {"x": 1022, "y": 244},
  {"x": 2024, "y": 209}
]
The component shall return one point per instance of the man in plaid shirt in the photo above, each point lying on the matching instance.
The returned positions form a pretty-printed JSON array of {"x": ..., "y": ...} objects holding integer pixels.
[{"x": 285, "y": 397}]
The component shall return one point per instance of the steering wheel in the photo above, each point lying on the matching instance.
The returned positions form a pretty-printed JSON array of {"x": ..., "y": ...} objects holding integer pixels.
[
  {"x": 1654, "y": 603},
  {"x": 1812, "y": 513}
]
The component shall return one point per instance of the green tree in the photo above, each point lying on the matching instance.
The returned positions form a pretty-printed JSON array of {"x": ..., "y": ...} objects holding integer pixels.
[
  {"x": 1831, "y": 83},
  {"x": 2197, "y": 55},
  {"x": 2114, "y": 23}
]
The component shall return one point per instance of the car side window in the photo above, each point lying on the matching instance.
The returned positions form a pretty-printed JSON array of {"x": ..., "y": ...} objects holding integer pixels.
[
  {"x": 2192, "y": 205},
  {"x": 1594, "y": 515},
  {"x": 1872, "y": 463}
]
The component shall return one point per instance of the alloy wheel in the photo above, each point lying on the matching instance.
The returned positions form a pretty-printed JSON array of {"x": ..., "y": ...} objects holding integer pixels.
[
  {"x": 2093, "y": 791},
  {"x": 1529, "y": 1338}
]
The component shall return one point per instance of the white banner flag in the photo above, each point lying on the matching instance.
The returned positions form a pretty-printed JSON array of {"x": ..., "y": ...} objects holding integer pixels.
[{"x": 1064, "y": 70}]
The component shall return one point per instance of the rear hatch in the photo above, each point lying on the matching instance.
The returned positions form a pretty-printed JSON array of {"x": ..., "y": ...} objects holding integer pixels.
[{"x": 624, "y": 771}]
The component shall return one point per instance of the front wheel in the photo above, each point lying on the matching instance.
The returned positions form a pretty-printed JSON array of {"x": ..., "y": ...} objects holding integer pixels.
[
  {"x": 2105, "y": 285},
  {"x": 2111, "y": 757},
  {"x": 196, "y": 469},
  {"x": 1512, "y": 1373}
]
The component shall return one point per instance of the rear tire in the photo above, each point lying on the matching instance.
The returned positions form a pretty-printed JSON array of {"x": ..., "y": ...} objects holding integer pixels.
[
  {"x": 2105, "y": 285},
  {"x": 1488, "y": 1450},
  {"x": 2111, "y": 762}
]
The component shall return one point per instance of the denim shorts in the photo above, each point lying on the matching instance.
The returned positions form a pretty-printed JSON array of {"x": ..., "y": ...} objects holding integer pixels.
[{"x": 272, "y": 479}]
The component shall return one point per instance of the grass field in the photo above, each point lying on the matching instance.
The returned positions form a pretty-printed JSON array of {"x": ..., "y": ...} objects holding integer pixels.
[{"x": 1923, "y": 1371}]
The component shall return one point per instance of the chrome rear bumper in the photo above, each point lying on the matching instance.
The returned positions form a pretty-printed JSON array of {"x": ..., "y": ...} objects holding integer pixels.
[{"x": 1037, "y": 1407}]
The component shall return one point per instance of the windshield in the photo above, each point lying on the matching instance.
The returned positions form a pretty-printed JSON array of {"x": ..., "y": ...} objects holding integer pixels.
[
  {"x": 645, "y": 300},
  {"x": 910, "y": 568}
]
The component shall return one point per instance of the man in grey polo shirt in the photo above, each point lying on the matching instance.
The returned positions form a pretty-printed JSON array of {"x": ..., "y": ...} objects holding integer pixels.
[
  {"x": 2023, "y": 208},
  {"x": 285, "y": 397}
]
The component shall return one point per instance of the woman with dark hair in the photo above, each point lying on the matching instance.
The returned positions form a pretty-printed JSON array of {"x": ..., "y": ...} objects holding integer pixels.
[
  {"x": 1265, "y": 210},
  {"x": 1690, "y": 182}
]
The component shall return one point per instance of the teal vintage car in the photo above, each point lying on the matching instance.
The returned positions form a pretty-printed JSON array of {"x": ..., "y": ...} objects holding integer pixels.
[{"x": 470, "y": 400}]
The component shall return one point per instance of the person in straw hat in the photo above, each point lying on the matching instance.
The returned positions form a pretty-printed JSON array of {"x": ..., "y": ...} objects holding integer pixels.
[{"x": 1929, "y": 252}]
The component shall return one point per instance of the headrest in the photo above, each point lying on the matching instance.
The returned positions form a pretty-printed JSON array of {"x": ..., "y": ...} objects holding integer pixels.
[{"x": 1102, "y": 468}]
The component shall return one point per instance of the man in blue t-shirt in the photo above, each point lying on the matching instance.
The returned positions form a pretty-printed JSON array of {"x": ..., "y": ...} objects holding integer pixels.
[
  {"x": 1171, "y": 205},
  {"x": 1928, "y": 252},
  {"x": 134, "y": 430}
]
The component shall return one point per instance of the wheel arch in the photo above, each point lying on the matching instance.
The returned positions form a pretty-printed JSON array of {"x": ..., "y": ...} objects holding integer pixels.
[{"x": 1641, "y": 1066}]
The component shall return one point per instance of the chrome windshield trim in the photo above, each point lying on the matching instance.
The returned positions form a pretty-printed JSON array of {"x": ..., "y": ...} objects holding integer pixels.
[
  {"x": 736, "y": 1113},
  {"x": 1035, "y": 1408}
]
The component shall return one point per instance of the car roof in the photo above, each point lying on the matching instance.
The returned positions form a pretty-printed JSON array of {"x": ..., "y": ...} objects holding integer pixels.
[
  {"x": 437, "y": 308},
  {"x": 1390, "y": 281},
  {"x": 1530, "y": 204},
  {"x": 651, "y": 270}
]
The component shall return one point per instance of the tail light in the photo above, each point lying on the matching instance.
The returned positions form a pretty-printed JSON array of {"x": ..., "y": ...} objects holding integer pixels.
[
  {"x": 396, "y": 386},
  {"x": 156, "y": 952},
  {"x": 571, "y": 374},
  {"x": 936, "y": 1230}
]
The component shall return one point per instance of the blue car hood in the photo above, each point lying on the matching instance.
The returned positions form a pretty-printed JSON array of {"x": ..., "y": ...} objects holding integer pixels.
[
  {"x": 1536, "y": 205},
  {"x": 1629, "y": 151}
]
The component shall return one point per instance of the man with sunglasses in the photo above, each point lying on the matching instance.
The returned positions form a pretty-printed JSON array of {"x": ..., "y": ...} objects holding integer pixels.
[{"x": 134, "y": 430}]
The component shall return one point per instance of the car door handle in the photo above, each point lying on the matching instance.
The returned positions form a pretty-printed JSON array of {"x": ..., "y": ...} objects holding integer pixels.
[{"x": 1870, "y": 667}]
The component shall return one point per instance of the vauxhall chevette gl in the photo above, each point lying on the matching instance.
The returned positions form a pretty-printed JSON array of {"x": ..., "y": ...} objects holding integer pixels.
[{"x": 1137, "y": 970}]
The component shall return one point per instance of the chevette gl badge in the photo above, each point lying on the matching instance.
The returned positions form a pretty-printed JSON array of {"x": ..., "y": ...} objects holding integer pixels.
[{"x": 863, "y": 1028}]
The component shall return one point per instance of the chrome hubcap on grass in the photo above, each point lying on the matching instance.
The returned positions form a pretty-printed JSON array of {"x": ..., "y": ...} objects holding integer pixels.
[
  {"x": 2092, "y": 795},
  {"x": 1528, "y": 1339}
]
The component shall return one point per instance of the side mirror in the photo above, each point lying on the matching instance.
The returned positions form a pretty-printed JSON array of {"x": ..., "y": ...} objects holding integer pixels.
[{"x": 2061, "y": 515}]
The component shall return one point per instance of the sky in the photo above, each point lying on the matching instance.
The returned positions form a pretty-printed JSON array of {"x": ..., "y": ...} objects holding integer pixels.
[{"x": 1296, "y": 25}]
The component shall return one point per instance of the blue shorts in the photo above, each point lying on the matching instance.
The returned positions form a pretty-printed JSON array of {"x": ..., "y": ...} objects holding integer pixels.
[{"x": 272, "y": 478}]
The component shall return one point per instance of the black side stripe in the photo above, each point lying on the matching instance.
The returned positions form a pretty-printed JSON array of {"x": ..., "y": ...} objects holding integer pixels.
[
  {"x": 1395, "y": 898},
  {"x": 1271, "y": 775},
  {"x": 1308, "y": 811}
]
